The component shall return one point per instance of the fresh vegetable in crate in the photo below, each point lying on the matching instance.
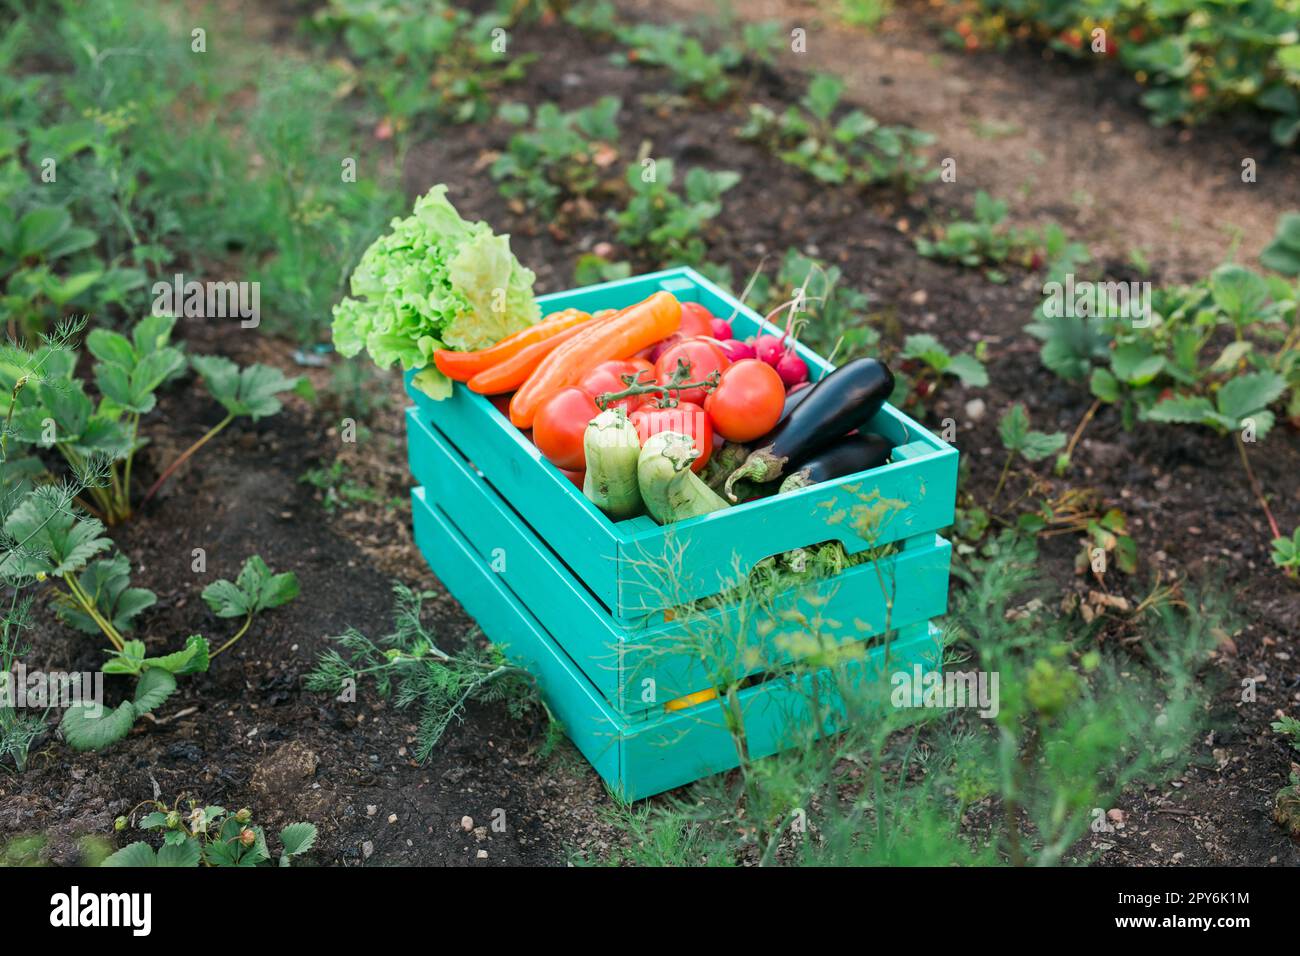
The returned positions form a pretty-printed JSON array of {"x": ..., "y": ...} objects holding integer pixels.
[
  {"x": 621, "y": 336},
  {"x": 464, "y": 366},
  {"x": 612, "y": 451},
  {"x": 434, "y": 281},
  {"x": 748, "y": 401},
  {"x": 670, "y": 489},
  {"x": 846, "y": 399},
  {"x": 560, "y": 425},
  {"x": 846, "y": 456}
]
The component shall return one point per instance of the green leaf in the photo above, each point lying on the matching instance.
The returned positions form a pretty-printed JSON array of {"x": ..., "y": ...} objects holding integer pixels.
[
  {"x": 84, "y": 730},
  {"x": 1104, "y": 385},
  {"x": 106, "y": 582},
  {"x": 297, "y": 838},
  {"x": 1239, "y": 292},
  {"x": 111, "y": 347},
  {"x": 129, "y": 660},
  {"x": 1013, "y": 428},
  {"x": 49, "y": 537},
  {"x": 1249, "y": 394},
  {"x": 135, "y": 855},
  {"x": 256, "y": 589},
  {"x": 193, "y": 659},
  {"x": 184, "y": 854},
  {"x": 1183, "y": 409},
  {"x": 969, "y": 370},
  {"x": 39, "y": 228},
  {"x": 153, "y": 821},
  {"x": 823, "y": 94},
  {"x": 1135, "y": 364},
  {"x": 1283, "y": 253},
  {"x": 250, "y": 391},
  {"x": 927, "y": 349},
  {"x": 154, "y": 687},
  {"x": 432, "y": 383}
]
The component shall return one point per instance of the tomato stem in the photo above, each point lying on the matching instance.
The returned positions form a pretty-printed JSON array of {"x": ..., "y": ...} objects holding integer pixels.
[{"x": 678, "y": 382}]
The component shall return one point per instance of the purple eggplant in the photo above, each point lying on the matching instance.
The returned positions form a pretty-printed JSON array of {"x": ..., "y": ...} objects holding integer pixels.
[
  {"x": 846, "y": 399},
  {"x": 849, "y": 455}
]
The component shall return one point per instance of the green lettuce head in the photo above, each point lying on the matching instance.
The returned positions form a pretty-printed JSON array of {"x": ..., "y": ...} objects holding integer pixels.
[{"x": 434, "y": 281}]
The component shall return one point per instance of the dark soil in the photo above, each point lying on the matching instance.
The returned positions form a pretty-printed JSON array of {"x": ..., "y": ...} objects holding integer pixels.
[{"x": 249, "y": 734}]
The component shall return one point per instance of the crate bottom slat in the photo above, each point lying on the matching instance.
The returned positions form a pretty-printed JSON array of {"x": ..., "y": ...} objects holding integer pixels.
[{"x": 636, "y": 757}]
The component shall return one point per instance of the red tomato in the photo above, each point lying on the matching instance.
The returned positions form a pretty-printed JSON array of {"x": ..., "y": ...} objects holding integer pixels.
[
  {"x": 696, "y": 320},
  {"x": 608, "y": 377},
  {"x": 560, "y": 424},
  {"x": 685, "y": 417},
  {"x": 701, "y": 355},
  {"x": 577, "y": 477},
  {"x": 747, "y": 402}
]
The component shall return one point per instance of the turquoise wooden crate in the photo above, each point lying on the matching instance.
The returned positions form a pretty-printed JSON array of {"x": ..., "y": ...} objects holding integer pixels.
[
  {"x": 905, "y": 501},
  {"x": 639, "y": 757},
  {"x": 637, "y": 665}
]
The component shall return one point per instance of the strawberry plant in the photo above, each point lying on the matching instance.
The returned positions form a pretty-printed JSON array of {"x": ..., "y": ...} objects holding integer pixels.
[
  {"x": 1021, "y": 440},
  {"x": 106, "y": 583},
  {"x": 986, "y": 239},
  {"x": 255, "y": 590},
  {"x": 206, "y": 835},
  {"x": 431, "y": 59},
  {"x": 561, "y": 157},
  {"x": 927, "y": 361},
  {"x": 1286, "y": 553},
  {"x": 249, "y": 392},
  {"x": 667, "y": 224},
  {"x": 853, "y": 149},
  {"x": 1196, "y": 57},
  {"x": 43, "y": 539},
  {"x": 693, "y": 68},
  {"x": 91, "y": 726}
]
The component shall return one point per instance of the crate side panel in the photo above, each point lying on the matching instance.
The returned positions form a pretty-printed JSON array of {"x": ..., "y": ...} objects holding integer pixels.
[{"x": 589, "y": 723}]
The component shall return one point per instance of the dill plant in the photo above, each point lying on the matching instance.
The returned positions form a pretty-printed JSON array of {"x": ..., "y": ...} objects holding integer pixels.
[
  {"x": 1076, "y": 727},
  {"x": 408, "y": 666}
]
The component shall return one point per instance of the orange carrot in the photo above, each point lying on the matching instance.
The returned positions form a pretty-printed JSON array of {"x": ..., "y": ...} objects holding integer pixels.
[
  {"x": 619, "y": 337},
  {"x": 509, "y": 375},
  {"x": 462, "y": 366}
]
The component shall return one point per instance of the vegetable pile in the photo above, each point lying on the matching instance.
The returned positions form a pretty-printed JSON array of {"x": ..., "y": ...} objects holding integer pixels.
[
  {"x": 658, "y": 409},
  {"x": 435, "y": 282}
]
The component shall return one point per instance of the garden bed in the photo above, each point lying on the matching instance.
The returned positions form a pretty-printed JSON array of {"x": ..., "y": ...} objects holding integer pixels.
[{"x": 256, "y": 737}]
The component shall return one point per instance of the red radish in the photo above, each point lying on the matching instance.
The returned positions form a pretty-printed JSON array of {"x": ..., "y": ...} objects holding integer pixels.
[
  {"x": 721, "y": 329},
  {"x": 792, "y": 369},
  {"x": 769, "y": 348},
  {"x": 735, "y": 349}
]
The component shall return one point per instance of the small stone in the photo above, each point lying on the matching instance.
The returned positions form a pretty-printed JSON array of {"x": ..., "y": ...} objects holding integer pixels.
[
  {"x": 371, "y": 809},
  {"x": 482, "y": 854},
  {"x": 467, "y": 823},
  {"x": 1116, "y": 817},
  {"x": 367, "y": 850},
  {"x": 976, "y": 409},
  {"x": 480, "y": 834},
  {"x": 392, "y": 818}
]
